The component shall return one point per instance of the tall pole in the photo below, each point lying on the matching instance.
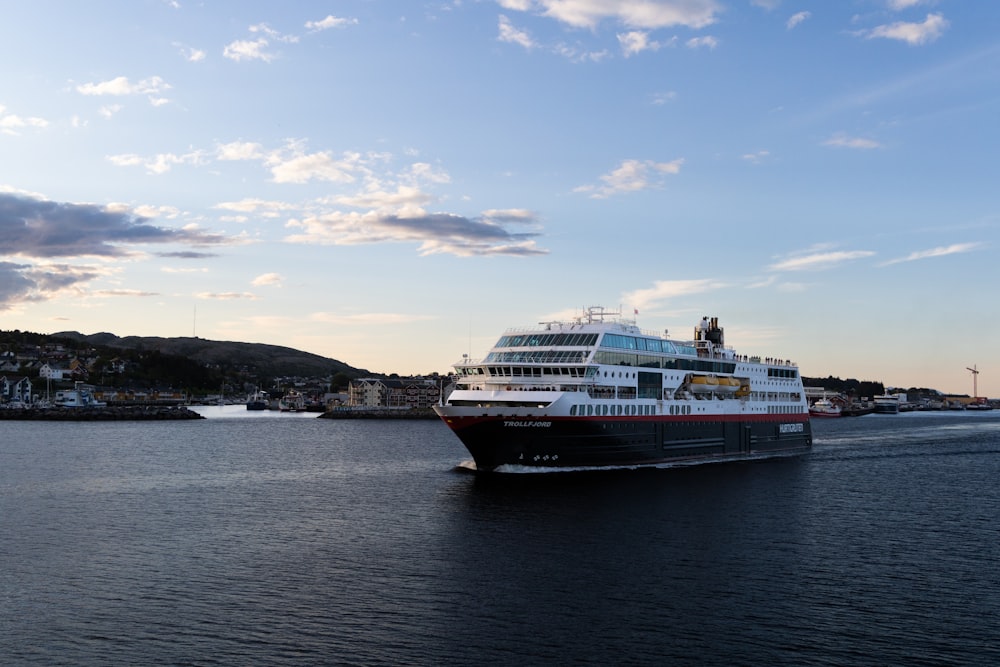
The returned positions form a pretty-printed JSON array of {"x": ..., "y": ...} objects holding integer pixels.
[{"x": 975, "y": 381}]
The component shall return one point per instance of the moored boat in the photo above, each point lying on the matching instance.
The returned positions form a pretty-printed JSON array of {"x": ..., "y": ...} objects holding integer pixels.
[
  {"x": 598, "y": 392},
  {"x": 81, "y": 396},
  {"x": 824, "y": 407},
  {"x": 857, "y": 410},
  {"x": 292, "y": 401},
  {"x": 259, "y": 400},
  {"x": 886, "y": 404}
]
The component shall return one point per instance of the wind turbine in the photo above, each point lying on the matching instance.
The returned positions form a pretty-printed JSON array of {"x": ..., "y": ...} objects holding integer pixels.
[{"x": 975, "y": 378}]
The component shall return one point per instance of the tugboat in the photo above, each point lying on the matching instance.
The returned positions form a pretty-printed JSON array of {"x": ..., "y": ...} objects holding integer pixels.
[{"x": 599, "y": 392}]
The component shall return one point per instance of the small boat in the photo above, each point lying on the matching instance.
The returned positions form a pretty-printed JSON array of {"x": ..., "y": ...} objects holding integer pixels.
[
  {"x": 292, "y": 401},
  {"x": 81, "y": 396},
  {"x": 824, "y": 407},
  {"x": 258, "y": 400}
]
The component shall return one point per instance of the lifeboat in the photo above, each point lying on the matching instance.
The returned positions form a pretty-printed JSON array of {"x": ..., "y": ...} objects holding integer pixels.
[
  {"x": 704, "y": 384},
  {"x": 728, "y": 385}
]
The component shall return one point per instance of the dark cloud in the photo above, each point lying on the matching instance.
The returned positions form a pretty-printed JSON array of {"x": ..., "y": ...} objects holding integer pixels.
[
  {"x": 21, "y": 283},
  {"x": 454, "y": 234},
  {"x": 189, "y": 254},
  {"x": 452, "y": 226},
  {"x": 37, "y": 228},
  {"x": 14, "y": 285}
]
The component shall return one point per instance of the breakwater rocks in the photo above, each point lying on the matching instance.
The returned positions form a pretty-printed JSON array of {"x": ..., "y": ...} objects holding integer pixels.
[
  {"x": 115, "y": 413},
  {"x": 375, "y": 413}
]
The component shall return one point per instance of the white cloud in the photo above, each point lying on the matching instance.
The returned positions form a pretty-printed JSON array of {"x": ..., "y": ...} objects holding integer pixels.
[
  {"x": 796, "y": 19},
  {"x": 174, "y": 269},
  {"x": 697, "y": 42},
  {"x": 580, "y": 55},
  {"x": 842, "y": 140},
  {"x": 240, "y": 150},
  {"x": 757, "y": 157},
  {"x": 123, "y": 292},
  {"x": 160, "y": 163},
  {"x": 322, "y": 166},
  {"x": 267, "y": 279},
  {"x": 911, "y": 33},
  {"x": 422, "y": 171},
  {"x": 190, "y": 53},
  {"x": 664, "y": 290},
  {"x": 225, "y": 296},
  {"x": 941, "y": 251},
  {"x": 899, "y": 5},
  {"x": 243, "y": 49},
  {"x": 11, "y": 123},
  {"x": 637, "y": 41},
  {"x": 150, "y": 211},
  {"x": 819, "y": 261},
  {"x": 272, "y": 33},
  {"x": 648, "y": 14},
  {"x": 258, "y": 47},
  {"x": 122, "y": 86},
  {"x": 663, "y": 98},
  {"x": 109, "y": 110},
  {"x": 330, "y": 22},
  {"x": 404, "y": 198},
  {"x": 632, "y": 176},
  {"x": 516, "y": 5},
  {"x": 261, "y": 207},
  {"x": 512, "y": 35}
]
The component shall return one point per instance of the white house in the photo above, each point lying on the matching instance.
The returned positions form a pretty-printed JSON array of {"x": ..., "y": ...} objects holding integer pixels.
[{"x": 49, "y": 372}]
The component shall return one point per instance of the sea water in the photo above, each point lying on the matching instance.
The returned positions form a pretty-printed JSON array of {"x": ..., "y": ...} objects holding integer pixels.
[{"x": 267, "y": 539}]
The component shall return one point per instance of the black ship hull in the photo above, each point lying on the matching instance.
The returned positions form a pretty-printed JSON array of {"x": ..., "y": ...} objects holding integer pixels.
[{"x": 575, "y": 442}]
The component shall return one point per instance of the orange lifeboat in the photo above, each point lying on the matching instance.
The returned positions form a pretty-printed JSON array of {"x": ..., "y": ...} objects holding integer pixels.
[
  {"x": 704, "y": 384},
  {"x": 728, "y": 385}
]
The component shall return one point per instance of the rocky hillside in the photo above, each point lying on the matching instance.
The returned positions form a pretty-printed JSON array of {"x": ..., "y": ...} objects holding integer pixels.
[{"x": 258, "y": 358}]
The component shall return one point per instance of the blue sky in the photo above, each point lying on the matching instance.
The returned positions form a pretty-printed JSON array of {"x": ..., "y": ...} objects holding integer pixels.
[{"x": 393, "y": 184}]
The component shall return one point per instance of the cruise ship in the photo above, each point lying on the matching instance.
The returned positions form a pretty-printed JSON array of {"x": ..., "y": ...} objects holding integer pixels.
[{"x": 599, "y": 392}]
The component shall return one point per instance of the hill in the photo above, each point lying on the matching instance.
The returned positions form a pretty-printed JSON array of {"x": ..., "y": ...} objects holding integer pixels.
[{"x": 256, "y": 358}]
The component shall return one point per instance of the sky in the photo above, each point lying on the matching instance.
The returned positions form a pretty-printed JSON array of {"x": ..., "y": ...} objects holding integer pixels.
[{"x": 395, "y": 183}]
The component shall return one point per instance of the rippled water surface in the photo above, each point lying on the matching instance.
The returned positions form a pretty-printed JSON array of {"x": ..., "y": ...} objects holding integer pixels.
[{"x": 272, "y": 540}]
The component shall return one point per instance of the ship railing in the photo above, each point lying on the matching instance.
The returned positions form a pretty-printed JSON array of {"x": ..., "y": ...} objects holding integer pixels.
[{"x": 768, "y": 361}]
